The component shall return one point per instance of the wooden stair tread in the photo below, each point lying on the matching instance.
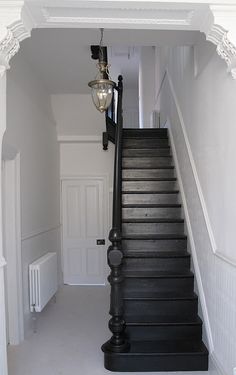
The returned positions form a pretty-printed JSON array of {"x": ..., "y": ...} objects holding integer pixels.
[
  {"x": 162, "y": 320},
  {"x": 153, "y": 220},
  {"x": 147, "y": 156},
  {"x": 150, "y": 179},
  {"x": 155, "y": 254},
  {"x": 158, "y": 296},
  {"x": 141, "y": 136},
  {"x": 149, "y": 167},
  {"x": 154, "y": 236},
  {"x": 150, "y": 192},
  {"x": 150, "y": 147},
  {"x": 145, "y": 130},
  {"x": 151, "y": 205},
  {"x": 157, "y": 274}
]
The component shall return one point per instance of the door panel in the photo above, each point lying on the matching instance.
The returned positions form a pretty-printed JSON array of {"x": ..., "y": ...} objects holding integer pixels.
[{"x": 84, "y": 219}]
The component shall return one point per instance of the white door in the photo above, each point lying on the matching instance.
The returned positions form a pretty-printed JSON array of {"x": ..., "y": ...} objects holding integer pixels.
[{"x": 84, "y": 221}]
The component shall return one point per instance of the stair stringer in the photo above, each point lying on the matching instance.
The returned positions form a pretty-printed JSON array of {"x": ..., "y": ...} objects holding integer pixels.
[
  {"x": 192, "y": 246},
  {"x": 214, "y": 363}
]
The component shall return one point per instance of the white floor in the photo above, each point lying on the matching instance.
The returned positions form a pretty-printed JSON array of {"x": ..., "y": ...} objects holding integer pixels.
[{"x": 69, "y": 336}]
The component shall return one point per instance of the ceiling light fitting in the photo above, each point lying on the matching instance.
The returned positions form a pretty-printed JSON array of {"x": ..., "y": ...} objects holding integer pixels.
[{"x": 102, "y": 86}]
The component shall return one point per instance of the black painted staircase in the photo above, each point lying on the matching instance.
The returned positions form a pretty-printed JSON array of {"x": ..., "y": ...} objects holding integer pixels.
[{"x": 160, "y": 308}]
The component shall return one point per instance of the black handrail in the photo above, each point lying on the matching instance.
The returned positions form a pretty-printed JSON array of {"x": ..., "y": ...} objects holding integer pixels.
[
  {"x": 117, "y": 343},
  {"x": 116, "y": 218},
  {"x": 111, "y": 120}
]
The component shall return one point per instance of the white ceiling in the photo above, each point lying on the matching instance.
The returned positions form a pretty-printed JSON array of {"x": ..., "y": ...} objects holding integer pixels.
[{"x": 62, "y": 57}]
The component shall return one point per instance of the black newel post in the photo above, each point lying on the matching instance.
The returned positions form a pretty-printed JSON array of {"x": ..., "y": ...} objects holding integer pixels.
[{"x": 117, "y": 343}]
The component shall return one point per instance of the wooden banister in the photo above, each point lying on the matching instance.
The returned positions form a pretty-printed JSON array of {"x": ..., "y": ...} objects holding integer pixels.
[{"x": 117, "y": 343}]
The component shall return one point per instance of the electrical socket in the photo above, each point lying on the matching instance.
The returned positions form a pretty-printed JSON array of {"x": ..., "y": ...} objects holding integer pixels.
[{"x": 234, "y": 370}]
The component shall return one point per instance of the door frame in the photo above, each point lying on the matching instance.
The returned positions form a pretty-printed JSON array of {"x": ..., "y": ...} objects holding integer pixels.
[
  {"x": 12, "y": 247},
  {"x": 106, "y": 199}
]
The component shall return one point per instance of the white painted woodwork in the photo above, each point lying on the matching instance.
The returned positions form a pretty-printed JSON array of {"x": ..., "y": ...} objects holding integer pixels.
[
  {"x": 203, "y": 136},
  {"x": 12, "y": 249},
  {"x": 3, "y": 341},
  {"x": 84, "y": 221}
]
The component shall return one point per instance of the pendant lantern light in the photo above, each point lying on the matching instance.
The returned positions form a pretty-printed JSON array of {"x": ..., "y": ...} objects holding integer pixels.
[{"x": 102, "y": 86}]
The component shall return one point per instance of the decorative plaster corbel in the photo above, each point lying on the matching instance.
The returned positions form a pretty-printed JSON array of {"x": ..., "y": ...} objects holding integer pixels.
[
  {"x": 220, "y": 29},
  {"x": 9, "y": 46},
  {"x": 225, "y": 48},
  {"x": 13, "y": 29}
]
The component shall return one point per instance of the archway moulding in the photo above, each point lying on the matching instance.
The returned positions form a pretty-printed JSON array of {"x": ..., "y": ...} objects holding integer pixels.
[{"x": 216, "y": 20}]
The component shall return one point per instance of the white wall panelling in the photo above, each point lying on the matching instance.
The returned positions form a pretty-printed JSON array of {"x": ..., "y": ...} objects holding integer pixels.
[
  {"x": 192, "y": 247},
  {"x": 191, "y": 134}
]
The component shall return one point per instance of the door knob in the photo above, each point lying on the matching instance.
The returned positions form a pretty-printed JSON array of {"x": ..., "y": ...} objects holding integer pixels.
[{"x": 101, "y": 241}]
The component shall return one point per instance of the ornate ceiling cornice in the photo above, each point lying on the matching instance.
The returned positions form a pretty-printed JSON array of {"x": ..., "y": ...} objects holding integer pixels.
[
  {"x": 225, "y": 48},
  {"x": 9, "y": 46},
  {"x": 218, "y": 22},
  {"x": 220, "y": 29},
  {"x": 15, "y": 25}
]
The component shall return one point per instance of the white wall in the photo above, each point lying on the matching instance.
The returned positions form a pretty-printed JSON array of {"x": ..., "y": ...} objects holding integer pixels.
[
  {"x": 75, "y": 114},
  {"x": 131, "y": 107},
  {"x": 31, "y": 131},
  {"x": 146, "y": 85},
  {"x": 76, "y": 117},
  {"x": 201, "y": 113}
]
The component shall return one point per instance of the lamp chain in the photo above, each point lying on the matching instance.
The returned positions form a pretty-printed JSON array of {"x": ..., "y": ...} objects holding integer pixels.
[{"x": 101, "y": 39}]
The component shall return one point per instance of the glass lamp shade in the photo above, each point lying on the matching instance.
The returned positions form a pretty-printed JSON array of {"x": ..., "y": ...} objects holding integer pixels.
[{"x": 102, "y": 91}]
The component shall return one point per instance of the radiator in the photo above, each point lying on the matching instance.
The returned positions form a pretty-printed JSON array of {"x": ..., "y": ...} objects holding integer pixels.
[{"x": 43, "y": 281}]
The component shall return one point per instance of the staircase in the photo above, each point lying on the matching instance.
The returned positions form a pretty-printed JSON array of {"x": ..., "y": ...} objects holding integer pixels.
[{"x": 156, "y": 325}]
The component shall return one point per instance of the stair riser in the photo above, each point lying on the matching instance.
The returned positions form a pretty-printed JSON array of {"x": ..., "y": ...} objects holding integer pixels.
[
  {"x": 152, "y": 162},
  {"x": 151, "y": 212},
  {"x": 146, "y": 152},
  {"x": 183, "y": 308},
  {"x": 152, "y": 133},
  {"x": 145, "y": 143},
  {"x": 148, "y": 185},
  {"x": 152, "y": 228},
  {"x": 148, "y": 173},
  {"x": 159, "y": 362},
  {"x": 157, "y": 264},
  {"x": 150, "y": 198},
  {"x": 166, "y": 332},
  {"x": 157, "y": 285},
  {"x": 156, "y": 245}
]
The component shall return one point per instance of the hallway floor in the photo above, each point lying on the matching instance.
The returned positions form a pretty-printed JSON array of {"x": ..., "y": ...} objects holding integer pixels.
[{"x": 69, "y": 335}]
